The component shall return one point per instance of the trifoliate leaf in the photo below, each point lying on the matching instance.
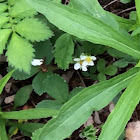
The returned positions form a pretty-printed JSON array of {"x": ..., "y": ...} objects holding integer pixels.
[
  {"x": 101, "y": 65},
  {"x": 3, "y": 19},
  {"x": 4, "y": 35},
  {"x": 51, "y": 104},
  {"x": 101, "y": 77},
  {"x": 22, "y": 96},
  {"x": 33, "y": 29},
  {"x": 3, "y": 7},
  {"x": 22, "y": 9},
  {"x": 64, "y": 49},
  {"x": 44, "y": 50},
  {"x": 18, "y": 75},
  {"x": 20, "y": 53},
  {"x": 57, "y": 88},
  {"x": 110, "y": 70},
  {"x": 39, "y": 82}
]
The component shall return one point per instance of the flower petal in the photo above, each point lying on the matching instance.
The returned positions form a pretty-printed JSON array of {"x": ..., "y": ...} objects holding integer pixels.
[
  {"x": 85, "y": 63},
  {"x": 93, "y": 58},
  {"x": 83, "y": 57},
  {"x": 37, "y": 62},
  {"x": 84, "y": 68},
  {"x": 91, "y": 63},
  {"x": 76, "y": 59},
  {"x": 77, "y": 66}
]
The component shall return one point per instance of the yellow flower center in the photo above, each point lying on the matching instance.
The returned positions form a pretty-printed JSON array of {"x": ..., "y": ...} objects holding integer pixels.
[{"x": 88, "y": 59}]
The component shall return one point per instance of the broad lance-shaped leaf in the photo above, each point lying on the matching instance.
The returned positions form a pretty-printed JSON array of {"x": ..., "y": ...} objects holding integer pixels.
[
  {"x": 64, "y": 49},
  {"x": 94, "y": 8},
  {"x": 78, "y": 109},
  {"x": 4, "y": 80},
  {"x": 4, "y": 35},
  {"x": 3, "y": 7},
  {"x": 122, "y": 111},
  {"x": 20, "y": 53},
  {"x": 137, "y": 2},
  {"x": 86, "y": 27},
  {"x": 22, "y": 9},
  {"x": 33, "y": 29}
]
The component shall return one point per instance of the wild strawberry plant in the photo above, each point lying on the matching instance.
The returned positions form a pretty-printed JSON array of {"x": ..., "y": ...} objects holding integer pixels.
[{"x": 82, "y": 32}]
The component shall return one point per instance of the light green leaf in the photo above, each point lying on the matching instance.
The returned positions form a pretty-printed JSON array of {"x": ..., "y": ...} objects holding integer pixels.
[
  {"x": 136, "y": 31},
  {"x": 3, "y": 7},
  {"x": 122, "y": 111},
  {"x": 39, "y": 82},
  {"x": 22, "y": 96},
  {"x": 57, "y": 88},
  {"x": 137, "y": 2},
  {"x": 11, "y": 2},
  {"x": 4, "y": 80},
  {"x": 75, "y": 91},
  {"x": 3, "y": 134},
  {"x": 36, "y": 113},
  {"x": 4, "y": 35},
  {"x": 93, "y": 8},
  {"x": 22, "y": 9},
  {"x": 86, "y": 27},
  {"x": 51, "y": 104},
  {"x": 33, "y": 29},
  {"x": 18, "y": 75},
  {"x": 3, "y": 20},
  {"x": 20, "y": 53},
  {"x": 64, "y": 48},
  {"x": 78, "y": 109}
]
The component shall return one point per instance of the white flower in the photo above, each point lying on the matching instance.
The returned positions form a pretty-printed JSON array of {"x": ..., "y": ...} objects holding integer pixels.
[
  {"x": 37, "y": 62},
  {"x": 83, "y": 62}
]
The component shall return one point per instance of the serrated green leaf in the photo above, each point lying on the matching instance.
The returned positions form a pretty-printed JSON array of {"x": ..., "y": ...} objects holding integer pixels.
[
  {"x": 64, "y": 48},
  {"x": 3, "y": 20},
  {"x": 22, "y": 9},
  {"x": 18, "y": 75},
  {"x": 57, "y": 88},
  {"x": 3, "y": 7},
  {"x": 4, "y": 35},
  {"x": 52, "y": 104},
  {"x": 4, "y": 80},
  {"x": 86, "y": 27},
  {"x": 20, "y": 53},
  {"x": 33, "y": 29},
  {"x": 77, "y": 110},
  {"x": 110, "y": 70},
  {"x": 44, "y": 50},
  {"x": 101, "y": 65},
  {"x": 39, "y": 82},
  {"x": 12, "y": 2},
  {"x": 22, "y": 96},
  {"x": 101, "y": 77},
  {"x": 122, "y": 111}
]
